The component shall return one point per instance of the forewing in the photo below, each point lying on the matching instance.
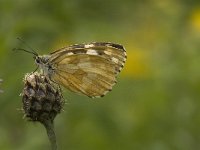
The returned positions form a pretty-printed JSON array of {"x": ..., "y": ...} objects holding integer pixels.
[{"x": 89, "y": 69}]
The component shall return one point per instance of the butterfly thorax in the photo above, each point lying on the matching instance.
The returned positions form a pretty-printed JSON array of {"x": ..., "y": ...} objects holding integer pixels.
[{"x": 44, "y": 64}]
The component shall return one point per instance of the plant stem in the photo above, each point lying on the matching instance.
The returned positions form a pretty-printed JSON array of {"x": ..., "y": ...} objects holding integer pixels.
[{"x": 50, "y": 132}]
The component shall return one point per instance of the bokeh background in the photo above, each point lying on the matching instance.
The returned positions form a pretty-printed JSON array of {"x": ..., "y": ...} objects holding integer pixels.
[{"x": 154, "y": 106}]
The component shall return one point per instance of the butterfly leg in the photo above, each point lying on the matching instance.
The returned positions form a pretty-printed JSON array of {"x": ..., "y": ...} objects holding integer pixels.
[{"x": 35, "y": 69}]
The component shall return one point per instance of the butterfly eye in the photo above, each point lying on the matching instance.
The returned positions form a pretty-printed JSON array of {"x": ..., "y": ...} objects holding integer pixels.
[{"x": 37, "y": 60}]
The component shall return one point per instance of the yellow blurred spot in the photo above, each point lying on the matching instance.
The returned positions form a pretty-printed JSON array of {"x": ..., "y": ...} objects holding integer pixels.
[
  {"x": 195, "y": 20},
  {"x": 137, "y": 64}
]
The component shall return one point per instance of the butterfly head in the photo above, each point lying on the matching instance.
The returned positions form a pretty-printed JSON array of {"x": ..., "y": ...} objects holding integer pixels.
[
  {"x": 38, "y": 59},
  {"x": 41, "y": 60}
]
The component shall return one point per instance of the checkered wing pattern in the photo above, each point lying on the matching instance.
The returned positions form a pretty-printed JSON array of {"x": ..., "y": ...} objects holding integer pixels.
[{"x": 88, "y": 69}]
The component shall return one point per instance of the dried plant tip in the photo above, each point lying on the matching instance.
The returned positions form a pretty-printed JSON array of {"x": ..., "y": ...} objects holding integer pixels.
[
  {"x": 1, "y": 91},
  {"x": 42, "y": 99}
]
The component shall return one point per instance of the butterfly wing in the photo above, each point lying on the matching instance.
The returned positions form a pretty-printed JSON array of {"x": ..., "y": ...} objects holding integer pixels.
[{"x": 88, "y": 69}]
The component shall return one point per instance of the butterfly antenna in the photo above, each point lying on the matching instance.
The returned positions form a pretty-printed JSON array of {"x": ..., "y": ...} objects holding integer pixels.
[
  {"x": 21, "y": 49},
  {"x": 33, "y": 52}
]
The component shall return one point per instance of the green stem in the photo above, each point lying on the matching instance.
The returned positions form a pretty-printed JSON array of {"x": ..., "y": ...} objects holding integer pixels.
[{"x": 50, "y": 132}]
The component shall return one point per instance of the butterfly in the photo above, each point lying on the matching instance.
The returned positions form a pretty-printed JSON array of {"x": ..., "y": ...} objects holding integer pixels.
[{"x": 89, "y": 69}]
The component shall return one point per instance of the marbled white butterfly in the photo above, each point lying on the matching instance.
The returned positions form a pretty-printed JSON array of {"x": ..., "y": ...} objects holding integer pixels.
[{"x": 88, "y": 69}]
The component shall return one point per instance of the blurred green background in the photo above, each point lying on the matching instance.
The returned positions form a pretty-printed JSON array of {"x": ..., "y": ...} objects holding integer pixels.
[{"x": 154, "y": 106}]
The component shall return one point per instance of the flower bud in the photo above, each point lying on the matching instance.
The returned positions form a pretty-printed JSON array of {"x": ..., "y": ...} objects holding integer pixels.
[{"x": 42, "y": 99}]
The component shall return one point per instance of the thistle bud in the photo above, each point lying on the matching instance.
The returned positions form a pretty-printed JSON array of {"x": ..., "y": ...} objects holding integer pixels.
[{"x": 42, "y": 99}]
